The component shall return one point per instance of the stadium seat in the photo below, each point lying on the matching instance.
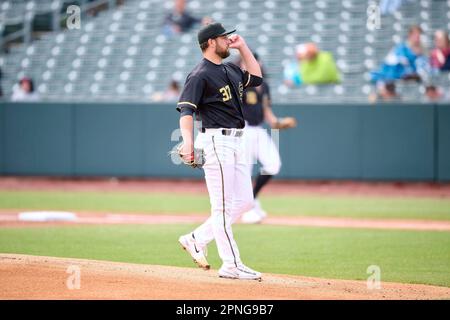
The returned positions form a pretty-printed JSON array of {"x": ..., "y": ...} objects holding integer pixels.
[{"x": 122, "y": 55}]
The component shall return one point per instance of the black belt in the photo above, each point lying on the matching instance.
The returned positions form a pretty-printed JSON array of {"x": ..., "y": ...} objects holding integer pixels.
[{"x": 228, "y": 132}]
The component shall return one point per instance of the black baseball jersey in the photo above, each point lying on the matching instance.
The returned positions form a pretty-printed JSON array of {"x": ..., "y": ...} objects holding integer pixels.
[
  {"x": 215, "y": 93},
  {"x": 253, "y": 104}
]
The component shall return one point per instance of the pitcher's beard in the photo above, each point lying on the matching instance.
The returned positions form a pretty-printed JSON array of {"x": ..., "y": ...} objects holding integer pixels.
[{"x": 223, "y": 54}]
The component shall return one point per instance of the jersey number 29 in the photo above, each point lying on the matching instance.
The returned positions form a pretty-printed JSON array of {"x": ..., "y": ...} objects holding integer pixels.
[{"x": 226, "y": 93}]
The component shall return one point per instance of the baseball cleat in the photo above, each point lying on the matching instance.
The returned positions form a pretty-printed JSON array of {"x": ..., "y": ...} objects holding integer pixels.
[
  {"x": 240, "y": 272},
  {"x": 197, "y": 253},
  {"x": 256, "y": 215},
  {"x": 252, "y": 217},
  {"x": 259, "y": 210}
]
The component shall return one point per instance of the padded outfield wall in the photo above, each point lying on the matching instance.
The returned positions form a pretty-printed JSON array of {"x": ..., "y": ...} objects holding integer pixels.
[{"x": 402, "y": 142}]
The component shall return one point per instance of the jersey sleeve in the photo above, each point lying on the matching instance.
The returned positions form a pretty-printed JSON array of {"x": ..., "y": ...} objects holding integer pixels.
[
  {"x": 248, "y": 79},
  {"x": 192, "y": 93},
  {"x": 251, "y": 80}
]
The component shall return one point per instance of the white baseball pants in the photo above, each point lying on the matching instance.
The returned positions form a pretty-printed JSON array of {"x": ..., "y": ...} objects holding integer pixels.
[
  {"x": 230, "y": 191},
  {"x": 259, "y": 146}
]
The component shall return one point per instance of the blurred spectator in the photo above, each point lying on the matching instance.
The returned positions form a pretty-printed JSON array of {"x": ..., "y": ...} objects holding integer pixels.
[
  {"x": 25, "y": 91},
  {"x": 434, "y": 94},
  {"x": 94, "y": 11},
  {"x": 171, "y": 94},
  {"x": 406, "y": 60},
  {"x": 179, "y": 20},
  {"x": 390, "y": 6},
  {"x": 291, "y": 74},
  {"x": 386, "y": 92},
  {"x": 312, "y": 67},
  {"x": 440, "y": 55}
]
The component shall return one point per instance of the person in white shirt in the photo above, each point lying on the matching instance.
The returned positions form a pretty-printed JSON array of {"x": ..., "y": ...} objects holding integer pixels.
[{"x": 24, "y": 92}]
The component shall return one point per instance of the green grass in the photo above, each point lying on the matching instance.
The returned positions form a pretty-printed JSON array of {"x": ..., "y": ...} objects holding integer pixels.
[
  {"x": 403, "y": 256},
  {"x": 165, "y": 203},
  {"x": 109, "y": 201},
  {"x": 360, "y": 207}
]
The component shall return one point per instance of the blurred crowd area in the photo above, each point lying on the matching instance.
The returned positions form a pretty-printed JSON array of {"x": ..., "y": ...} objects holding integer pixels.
[{"x": 318, "y": 51}]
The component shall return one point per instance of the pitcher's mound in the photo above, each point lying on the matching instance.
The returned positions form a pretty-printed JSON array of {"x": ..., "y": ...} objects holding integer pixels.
[{"x": 35, "y": 277}]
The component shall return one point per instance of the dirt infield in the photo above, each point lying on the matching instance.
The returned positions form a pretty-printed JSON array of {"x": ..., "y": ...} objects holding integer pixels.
[
  {"x": 353, "y": 188},
  {"x": 33, "y": 277},
  {"x": 10, "y": 219}
]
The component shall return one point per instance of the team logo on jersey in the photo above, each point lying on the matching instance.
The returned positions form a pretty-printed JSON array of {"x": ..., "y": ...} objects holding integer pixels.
[{"x": 251, "y": 97}]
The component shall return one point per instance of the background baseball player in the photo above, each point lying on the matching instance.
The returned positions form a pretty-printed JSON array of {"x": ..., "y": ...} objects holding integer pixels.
[
  {"x": 258, "y": 145},
  {"x": 214, "y": 90}
]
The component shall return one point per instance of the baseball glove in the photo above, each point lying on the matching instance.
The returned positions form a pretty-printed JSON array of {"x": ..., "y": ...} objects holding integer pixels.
[
  {"x": 195, "y": 161},
  {"x": 285, "y": 123}
]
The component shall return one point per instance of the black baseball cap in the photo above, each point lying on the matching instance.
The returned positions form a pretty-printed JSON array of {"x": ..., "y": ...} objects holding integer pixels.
[{"x": 212, "y": 31}]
